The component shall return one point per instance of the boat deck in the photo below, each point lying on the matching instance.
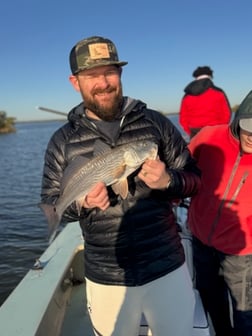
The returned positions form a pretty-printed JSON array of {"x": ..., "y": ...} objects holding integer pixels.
[{"x": 77, "y": 322}]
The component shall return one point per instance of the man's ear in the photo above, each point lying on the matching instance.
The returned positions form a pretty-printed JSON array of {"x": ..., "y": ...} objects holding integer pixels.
[{"x": 74, "y": 81}]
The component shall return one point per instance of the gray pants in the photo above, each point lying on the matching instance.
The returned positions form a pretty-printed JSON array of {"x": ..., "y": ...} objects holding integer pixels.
[{"x": 219, "y": 275}]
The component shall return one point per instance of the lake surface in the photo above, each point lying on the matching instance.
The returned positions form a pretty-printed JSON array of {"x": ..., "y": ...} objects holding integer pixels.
[{"x": 23, "y": 228}]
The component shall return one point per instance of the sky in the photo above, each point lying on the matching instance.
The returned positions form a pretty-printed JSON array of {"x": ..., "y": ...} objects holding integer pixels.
[{"x": 162, "y": 40}]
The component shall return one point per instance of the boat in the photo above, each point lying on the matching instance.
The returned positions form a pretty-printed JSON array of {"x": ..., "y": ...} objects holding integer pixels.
[{"x": 50, "y": 300}]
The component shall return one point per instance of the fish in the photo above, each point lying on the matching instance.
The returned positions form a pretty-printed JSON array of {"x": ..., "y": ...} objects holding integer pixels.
[{"x": 109, "y": 165}]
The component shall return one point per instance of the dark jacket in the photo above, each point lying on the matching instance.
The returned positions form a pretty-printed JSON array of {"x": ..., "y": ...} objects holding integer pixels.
[{"x": 135, "y": 240}]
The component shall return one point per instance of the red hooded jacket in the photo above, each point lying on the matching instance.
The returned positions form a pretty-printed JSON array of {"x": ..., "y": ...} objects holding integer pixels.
[
  {"x": 220, "y": 215},
  {"x": 203, "y": 105}
]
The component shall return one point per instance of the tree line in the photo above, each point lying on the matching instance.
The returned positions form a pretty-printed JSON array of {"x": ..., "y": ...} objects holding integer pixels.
[{"x": 6, "y": 123}]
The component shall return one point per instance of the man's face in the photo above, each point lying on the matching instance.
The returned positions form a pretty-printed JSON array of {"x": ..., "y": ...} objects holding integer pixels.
[
  {"x": 101, "y": 90},
  {"x": 246, "y": 141}
]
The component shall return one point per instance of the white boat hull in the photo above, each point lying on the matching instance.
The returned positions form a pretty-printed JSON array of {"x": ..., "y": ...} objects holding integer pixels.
[{"x": 50, "y": 300}]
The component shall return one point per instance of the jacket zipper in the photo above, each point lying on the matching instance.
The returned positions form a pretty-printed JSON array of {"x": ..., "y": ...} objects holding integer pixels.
[{"x": 244, "y": 177}]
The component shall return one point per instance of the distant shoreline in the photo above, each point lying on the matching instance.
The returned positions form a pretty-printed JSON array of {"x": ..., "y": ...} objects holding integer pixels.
[
  {"x": 40, "y": 120},
  {"x": 7, "y": 130},
  {"x": 65, "y": 119},
  {"x": 12, "y": 129}
]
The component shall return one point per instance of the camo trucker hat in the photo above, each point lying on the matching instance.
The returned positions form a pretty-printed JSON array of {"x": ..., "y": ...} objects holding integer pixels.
[
  {"x": 246, "y": 124},
  {"x": 93, "y": 52}
]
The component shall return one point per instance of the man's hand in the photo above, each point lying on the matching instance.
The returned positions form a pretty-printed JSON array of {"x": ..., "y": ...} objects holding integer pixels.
[
  {"x": 97, "y": 197},
  {"x": 154, "y": 174}
]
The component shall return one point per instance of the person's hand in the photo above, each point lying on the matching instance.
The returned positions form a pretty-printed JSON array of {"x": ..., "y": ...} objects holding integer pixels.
[
  {"x": 154, "y": 174},
  {"x": 97, "y": 197}
]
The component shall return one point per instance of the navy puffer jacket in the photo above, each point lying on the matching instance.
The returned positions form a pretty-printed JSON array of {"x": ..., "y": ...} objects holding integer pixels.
[{"x": 135, "y": 240}]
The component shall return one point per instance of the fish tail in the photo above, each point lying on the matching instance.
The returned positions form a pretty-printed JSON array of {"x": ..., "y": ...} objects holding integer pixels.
[{"x": 53, "y": 219}]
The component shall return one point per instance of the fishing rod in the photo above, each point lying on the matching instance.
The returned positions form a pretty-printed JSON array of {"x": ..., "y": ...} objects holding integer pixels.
[{"x": 51, "y": 110}]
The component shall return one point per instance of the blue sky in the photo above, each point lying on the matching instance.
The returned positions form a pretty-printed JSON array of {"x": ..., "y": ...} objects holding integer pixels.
[{"x": 163, "y": 41}]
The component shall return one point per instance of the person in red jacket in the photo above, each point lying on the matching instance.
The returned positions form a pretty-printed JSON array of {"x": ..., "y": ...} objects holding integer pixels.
[
  {"x": 220, "y": 219},
  {"x": 203, "y": 104}
]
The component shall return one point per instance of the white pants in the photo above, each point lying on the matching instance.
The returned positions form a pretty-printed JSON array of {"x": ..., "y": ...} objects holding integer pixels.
[{"x": 167, "y": 303}]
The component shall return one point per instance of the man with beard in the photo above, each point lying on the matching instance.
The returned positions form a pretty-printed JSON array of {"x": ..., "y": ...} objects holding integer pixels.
[{"x": 134, "y": 259}]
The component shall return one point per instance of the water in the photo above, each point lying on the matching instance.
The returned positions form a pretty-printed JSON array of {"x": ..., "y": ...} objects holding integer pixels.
[{"x": 23, "y": 228}]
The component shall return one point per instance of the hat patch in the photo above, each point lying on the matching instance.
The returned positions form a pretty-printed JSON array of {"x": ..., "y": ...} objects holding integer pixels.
[{"x": 98, "y": 50}]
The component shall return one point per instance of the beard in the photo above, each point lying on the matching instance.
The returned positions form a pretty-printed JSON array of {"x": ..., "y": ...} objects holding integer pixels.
[{"x": 107, "y": 110}]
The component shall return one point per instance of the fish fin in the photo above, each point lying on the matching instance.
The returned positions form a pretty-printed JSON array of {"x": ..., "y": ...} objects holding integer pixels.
[
  {"x": 51, "y": 237},
  {"x": 53, "y": 219},
  {"x": 121, "y": 188},
  {"x": 118, "y": 171}
]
